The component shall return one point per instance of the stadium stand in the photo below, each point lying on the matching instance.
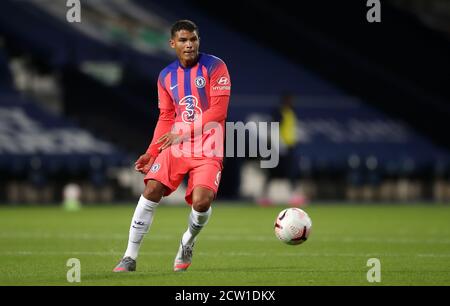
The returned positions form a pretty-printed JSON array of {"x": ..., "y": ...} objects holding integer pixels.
[
  {"x": 38, "y": 147},
  {"x": 398, "y": 66},
  {"x": 107, "y": 65}
]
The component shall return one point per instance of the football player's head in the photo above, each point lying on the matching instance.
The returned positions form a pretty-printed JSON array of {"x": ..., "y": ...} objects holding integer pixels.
[{"x": 185, "y": 40}]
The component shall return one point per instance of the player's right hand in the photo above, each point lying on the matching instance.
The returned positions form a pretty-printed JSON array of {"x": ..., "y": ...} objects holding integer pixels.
[{"x": 144, "y": 163}]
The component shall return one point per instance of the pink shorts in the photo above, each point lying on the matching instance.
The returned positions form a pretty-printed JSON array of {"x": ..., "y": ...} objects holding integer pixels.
[{"x": 170, "y": 170}]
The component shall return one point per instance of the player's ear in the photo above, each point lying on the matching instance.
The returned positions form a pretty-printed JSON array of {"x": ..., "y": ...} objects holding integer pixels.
[{"x": 172, "y": 43}]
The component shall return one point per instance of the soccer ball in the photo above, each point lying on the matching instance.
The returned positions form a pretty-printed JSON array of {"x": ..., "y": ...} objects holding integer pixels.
[{"x": 293, "y": 226}]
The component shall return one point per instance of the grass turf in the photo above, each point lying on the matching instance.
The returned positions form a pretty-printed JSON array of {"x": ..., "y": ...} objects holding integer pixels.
[{"x": 238, "y": 246}]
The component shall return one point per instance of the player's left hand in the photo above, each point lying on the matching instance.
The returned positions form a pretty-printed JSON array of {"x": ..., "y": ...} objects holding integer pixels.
[{"x": 167, "y": 140}]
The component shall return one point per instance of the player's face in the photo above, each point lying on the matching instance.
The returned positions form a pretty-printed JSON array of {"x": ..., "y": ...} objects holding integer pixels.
[{"x": 186, "y": 45}]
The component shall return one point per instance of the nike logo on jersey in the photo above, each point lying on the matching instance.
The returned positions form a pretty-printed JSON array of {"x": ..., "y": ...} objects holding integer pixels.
[{"x": 172, "y": 87}]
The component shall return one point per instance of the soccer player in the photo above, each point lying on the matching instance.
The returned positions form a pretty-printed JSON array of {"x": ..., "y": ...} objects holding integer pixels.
[{"x": 193, "y": 94}]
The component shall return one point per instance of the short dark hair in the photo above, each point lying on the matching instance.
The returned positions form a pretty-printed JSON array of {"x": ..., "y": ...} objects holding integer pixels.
[{"x": 183, "y": 25}]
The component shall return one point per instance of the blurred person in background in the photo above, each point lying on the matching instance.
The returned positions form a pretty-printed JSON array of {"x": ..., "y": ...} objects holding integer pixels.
[
  {"x": 195, "y": 88},
  {"x": 288, "y": 162}
]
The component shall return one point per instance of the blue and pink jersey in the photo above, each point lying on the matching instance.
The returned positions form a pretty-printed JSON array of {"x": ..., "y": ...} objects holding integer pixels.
[{"x": 190, "y": 92}]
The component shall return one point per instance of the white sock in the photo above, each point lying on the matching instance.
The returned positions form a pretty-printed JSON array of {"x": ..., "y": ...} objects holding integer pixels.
[
  {"x": 197, "y": 220},
  {"x": 140, "y": 224}
]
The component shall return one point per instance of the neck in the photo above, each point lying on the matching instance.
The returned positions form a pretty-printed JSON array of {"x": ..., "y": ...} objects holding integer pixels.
[{"x": 187, "y": 64}]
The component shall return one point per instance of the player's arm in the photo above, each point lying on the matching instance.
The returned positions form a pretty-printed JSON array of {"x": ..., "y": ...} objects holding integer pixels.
[{"x": 165, "y": 122}]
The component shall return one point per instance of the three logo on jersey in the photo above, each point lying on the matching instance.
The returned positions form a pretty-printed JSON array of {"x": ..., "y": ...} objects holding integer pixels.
[{"x": 192, "y": 110}]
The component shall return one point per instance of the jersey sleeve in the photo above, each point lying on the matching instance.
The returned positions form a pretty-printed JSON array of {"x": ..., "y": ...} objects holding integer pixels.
[
  {"x": 164, "y": 99},
  {"x": 218, "y": 110},
  {"x": 220, "y": 82}
]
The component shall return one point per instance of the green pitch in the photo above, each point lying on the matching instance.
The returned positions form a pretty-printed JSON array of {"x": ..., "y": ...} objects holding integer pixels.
[{"x": 238, "y": 246}]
